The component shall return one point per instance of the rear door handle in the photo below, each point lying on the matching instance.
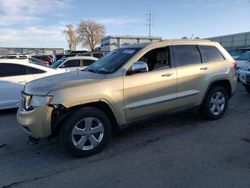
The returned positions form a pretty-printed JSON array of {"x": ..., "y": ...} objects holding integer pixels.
[
  {"x": 204, "y": 68},
  {"x": 167, "y": 75}
]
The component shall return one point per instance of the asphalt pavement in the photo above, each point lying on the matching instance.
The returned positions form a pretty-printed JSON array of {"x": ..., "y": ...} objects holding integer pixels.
[{"x": 179, "y": 151}]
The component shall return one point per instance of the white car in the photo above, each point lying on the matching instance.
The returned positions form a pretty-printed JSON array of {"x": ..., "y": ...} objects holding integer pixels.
[
  {"x": 242, "y": 62},
  {"x": 74, "y": 63},
  {"x": 244, "y": 76},
  {"x": 14, "y": 74}
]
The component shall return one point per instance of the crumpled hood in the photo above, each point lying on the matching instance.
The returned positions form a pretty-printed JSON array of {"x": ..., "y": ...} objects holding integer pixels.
[{"x": 47, "y": 84}]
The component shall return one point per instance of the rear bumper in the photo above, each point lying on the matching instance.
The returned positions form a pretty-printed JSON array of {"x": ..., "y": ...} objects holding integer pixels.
[{"x": 37, "y": 122}]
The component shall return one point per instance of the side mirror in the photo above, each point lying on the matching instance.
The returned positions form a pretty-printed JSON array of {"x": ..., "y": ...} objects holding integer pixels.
[{"x": 138, "y": 67}]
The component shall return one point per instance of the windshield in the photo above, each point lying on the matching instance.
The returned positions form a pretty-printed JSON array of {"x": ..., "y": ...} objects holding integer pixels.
[
  {"x": 245, "y": 56},
  {"x": 57, "y": 63},
  {"x": 113, "y": 60}
]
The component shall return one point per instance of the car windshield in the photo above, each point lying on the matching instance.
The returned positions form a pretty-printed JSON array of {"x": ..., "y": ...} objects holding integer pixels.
[
  {"x": 57, "y": 63},
  {"x": 245, "y": 56},
  {"x": 112, "y": 61}
]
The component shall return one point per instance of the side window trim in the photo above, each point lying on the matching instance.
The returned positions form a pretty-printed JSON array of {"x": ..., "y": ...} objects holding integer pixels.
[
  {"x": 62, "y": 64},
  {"x": 201, "y": 56}
]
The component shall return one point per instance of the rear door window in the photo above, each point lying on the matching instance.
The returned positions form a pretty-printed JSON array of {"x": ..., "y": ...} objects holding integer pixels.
[
  {"x": 211, "y": 53},
  {"x": 187, "y": 55},
  {"x": 72, "y": 63},
  {"x": 87, "y": 62},
  {"x": 7, "y": 69}
]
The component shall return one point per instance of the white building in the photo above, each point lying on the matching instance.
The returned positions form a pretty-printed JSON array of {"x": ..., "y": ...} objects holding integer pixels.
[{"x": 112, "y": 42}]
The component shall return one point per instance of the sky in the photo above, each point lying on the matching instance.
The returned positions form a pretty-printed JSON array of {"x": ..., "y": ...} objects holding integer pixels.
[{"x": 39, "y": 23}]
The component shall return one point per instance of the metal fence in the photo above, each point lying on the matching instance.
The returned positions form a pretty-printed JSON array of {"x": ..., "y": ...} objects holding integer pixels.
[
  {"x": 31, "y": 51},
  {"x": 239, "y": 40}
]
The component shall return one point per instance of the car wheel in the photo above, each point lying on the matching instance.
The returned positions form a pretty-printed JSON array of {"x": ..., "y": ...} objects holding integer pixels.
[
  {"x": 215, "y": 104},
  {"x": 86, "y": 132},
  {"x": 247, "y": 87}
]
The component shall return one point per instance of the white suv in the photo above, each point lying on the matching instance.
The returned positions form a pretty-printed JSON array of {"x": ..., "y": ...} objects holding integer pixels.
[{"x": 74, "y": 63}]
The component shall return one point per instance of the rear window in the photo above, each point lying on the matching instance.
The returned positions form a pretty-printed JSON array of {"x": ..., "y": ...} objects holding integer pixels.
[
  {"x": 211, "y": 53},
  {"x": 187, "y": 55}
]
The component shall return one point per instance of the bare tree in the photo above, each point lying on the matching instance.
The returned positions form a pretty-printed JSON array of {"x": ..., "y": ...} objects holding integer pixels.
[
  {"x": 71, "y": 37},
  {"x": 91, "y": 33}
]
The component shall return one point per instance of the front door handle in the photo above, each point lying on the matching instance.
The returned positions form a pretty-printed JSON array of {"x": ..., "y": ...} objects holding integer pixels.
[
  {"x": 204, "y": 68},
  {"x": 167, "y": 75}
]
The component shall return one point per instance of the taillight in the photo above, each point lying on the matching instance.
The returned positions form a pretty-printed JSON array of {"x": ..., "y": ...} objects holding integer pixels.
[{"x": 234, "y": 64}]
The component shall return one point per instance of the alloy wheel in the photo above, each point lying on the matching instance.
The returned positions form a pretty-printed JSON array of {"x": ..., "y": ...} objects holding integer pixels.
[
  {"x": 87, "y": 133},
  {"x": 217, "y": 103}
]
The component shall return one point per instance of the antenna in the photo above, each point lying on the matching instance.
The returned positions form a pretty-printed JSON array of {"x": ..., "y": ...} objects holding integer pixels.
[{"x": 149, "y": 22}]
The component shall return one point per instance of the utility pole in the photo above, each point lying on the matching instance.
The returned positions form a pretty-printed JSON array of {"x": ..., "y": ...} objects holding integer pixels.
[{"x": 149, "y": 23}]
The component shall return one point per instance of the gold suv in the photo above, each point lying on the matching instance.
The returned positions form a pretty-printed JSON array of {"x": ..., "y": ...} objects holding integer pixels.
[{"x": 129, "y": 85}]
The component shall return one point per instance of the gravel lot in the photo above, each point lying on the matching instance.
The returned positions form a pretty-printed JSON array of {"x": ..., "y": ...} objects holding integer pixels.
[{"x": 180, "y": 151}]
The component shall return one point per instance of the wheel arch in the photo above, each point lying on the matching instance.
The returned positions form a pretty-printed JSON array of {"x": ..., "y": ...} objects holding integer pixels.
[
  {"x": 222, "y": 83},
  {"x": 63, "y": 113}
]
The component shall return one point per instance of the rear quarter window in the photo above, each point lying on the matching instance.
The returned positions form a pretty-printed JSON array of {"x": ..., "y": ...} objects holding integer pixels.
[{"x": 211, "y": 53}]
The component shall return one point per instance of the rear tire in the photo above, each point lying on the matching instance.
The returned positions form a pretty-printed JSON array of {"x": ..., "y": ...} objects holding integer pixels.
[
  {"x": 215, "y": 104},
  {"x": 86, "y": 132},
  {"x": 247, "y": 87}
]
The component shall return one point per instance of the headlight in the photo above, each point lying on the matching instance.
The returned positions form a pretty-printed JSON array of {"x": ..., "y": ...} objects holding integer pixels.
[
  {"x": 25, "y": 101},
  {"x": 29, "y": 101},
  {"x": 41, "y": 100}
]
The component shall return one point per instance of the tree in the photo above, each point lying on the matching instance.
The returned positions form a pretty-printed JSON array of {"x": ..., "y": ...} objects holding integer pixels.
[
  {"x": 184, "y": 37},
  {"x": 91, "y": 33},
  {"x": 71, "y": 37}
]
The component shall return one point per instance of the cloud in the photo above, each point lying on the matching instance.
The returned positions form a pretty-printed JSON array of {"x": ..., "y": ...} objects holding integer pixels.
[
  {"x": 118, "y": 21},
  {"x": 34, "y": 36},
  {"x": 24, "y": 23},
  {"x": 14, "y": 12}
]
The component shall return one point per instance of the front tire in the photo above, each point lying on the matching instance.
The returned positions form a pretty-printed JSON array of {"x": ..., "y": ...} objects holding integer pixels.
[
  {"x": 86, "y": 132},
  {"x": 247, "y": 87},
  {"x": 215, "y": 104}
]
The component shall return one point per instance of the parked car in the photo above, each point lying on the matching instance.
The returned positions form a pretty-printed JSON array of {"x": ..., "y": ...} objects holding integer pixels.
[
  {"x": 74, "y": 63},
  {"x": 14, "y": 74},
  {"x": 15, "y": 57},
  {"x": 127, "y": 86},
  {"x": 238, "y": 52},
  {"x": 243, "y": 60},
  {"x": 46, "y": 60},
  {"x": 244, "y": 75}
]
